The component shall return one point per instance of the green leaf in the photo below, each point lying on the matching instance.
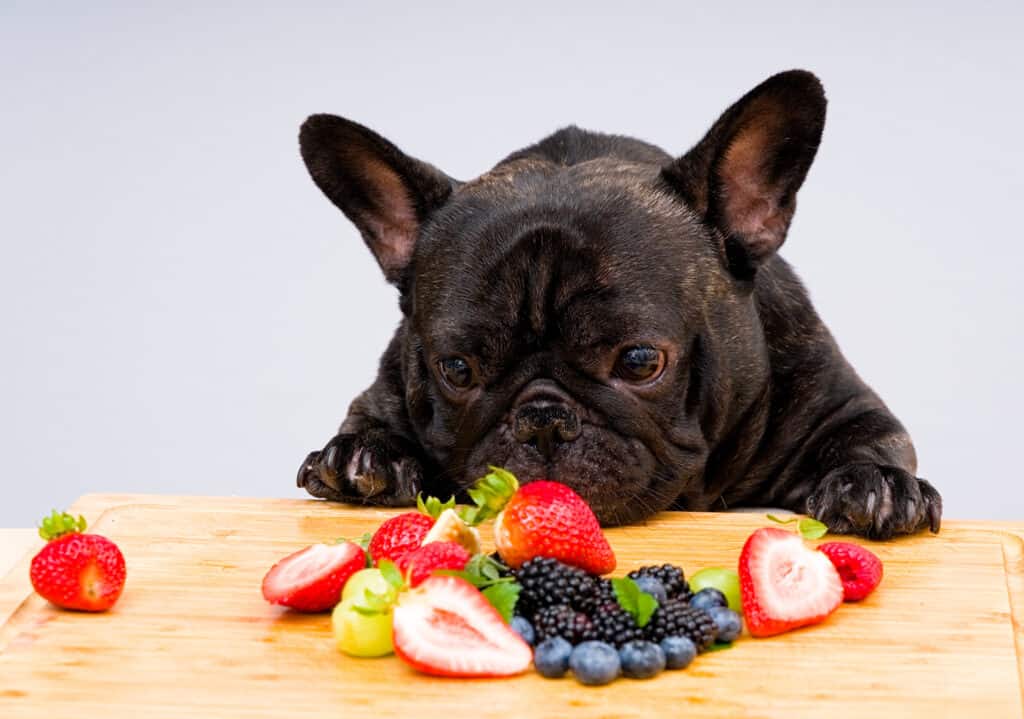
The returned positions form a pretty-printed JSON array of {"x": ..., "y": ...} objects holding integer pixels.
[
  {"x": 719, "y": 647},
  {"x": 811, "y": 528},
  {"x": 490, "y": 494},
  {"x": 631, "y": 598},
  {"x": 777, "y": 520},
  {"x": 390, "y": 572},
  {"x": 374, "y": 603},
  {"x": 57, "y": 524},
  {"x": 503, "y": 597},
  {"x": 433, "y": 506},
  {"x": 481, "y": 571}
]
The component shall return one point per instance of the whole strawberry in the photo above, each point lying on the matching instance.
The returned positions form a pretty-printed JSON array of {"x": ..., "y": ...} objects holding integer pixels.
[
  {"x": 407, "y": 531},
  {"x": 76, "y": 570},
  {"x": 540, "y": 519},
  {"x": 424, "y": 561}
]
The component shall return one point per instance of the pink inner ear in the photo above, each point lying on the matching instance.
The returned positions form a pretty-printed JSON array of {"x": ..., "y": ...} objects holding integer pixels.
[
  {"x": 750, "y": 205},
  {"x": 393, "y": 222}
]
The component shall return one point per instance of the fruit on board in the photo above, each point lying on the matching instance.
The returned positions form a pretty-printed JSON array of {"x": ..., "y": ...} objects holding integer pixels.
[
  {"x": 446, "y": 627},
  {"x": 785, "y": 584},
  {"x": 311, "y": 580},
  {"x": 77, "y": 570},
  {"x": 859, "y": 568}
]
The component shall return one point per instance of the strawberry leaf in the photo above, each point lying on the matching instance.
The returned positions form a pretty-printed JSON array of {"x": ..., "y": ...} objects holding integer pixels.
[
  {"x": 503, "y": 597},
  {"x": 57, "y": 524},
  {"x": 374, "y": 603},
  {"x": 811, "y": 528},
  {"x": 391, "y": 574},
  {"x": 777, "y": 520},
  {"x": 490, "y": 494},
  {"x": 719, "y": 646},
  {"x": 638, "y": 603},
  {"x": 481, "y": 571},
  {"x": 432, "y": 506}
]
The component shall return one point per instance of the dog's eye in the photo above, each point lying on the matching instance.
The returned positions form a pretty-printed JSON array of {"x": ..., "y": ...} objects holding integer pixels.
[
  {"x": 640, "y": 363},
  {"x": 456, "y": 372}
]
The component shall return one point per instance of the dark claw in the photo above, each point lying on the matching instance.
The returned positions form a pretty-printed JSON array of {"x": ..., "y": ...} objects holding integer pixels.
[
  {"x": 368, "y": 467},
  {"x": 875, "y": 501}
]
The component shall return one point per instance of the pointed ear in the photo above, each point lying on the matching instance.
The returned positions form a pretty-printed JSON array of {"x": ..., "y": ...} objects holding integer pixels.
[
  {"x": 385, "y": 193},
  {"x": 742, "y": 178}
]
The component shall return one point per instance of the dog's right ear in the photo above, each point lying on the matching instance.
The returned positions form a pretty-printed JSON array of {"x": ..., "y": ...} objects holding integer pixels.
[{"x": 385, "y": 193}]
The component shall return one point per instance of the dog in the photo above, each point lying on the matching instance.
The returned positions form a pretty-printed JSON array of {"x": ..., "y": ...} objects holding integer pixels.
[{"x": 598, "y": 312}]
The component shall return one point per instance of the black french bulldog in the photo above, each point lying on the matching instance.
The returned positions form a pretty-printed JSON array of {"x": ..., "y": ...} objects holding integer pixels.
[{"x": 595, "y": 311}]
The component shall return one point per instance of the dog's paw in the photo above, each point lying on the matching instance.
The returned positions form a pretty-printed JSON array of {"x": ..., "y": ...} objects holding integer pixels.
[
  {"x": 369, "y": 467},
  {"x": 875, "y": 501}
]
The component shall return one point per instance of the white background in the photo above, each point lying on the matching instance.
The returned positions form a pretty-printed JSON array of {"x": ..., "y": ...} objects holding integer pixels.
[{"x": 184, "y": 312}]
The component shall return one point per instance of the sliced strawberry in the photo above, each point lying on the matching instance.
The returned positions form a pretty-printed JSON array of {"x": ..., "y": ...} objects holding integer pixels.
[
  {"x": 785, "y": 584},
  {"x": 446, "y": 627},
  {"x": 423, "y": 561},
  {"x": 398, "y": 535},
  {"x": 311, "y": 580},
  {"x": 859, "y": 569},
  {"x": 548, "y": 519}
]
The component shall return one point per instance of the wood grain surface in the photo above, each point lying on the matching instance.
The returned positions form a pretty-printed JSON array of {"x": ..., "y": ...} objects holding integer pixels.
[{"x": 192, "y": 637}]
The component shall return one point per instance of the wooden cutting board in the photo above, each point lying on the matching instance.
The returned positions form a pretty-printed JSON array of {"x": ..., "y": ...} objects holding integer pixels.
[{"x": 192, "y": 636}]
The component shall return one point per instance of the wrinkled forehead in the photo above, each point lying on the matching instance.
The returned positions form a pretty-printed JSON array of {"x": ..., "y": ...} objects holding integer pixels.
[{"x": 596, "y": 253}]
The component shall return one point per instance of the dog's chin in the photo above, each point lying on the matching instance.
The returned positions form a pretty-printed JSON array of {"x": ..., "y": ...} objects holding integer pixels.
[{"x": 615, "y": 475}]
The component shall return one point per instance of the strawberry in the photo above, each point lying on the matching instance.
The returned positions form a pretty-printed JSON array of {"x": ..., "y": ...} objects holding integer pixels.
[
  {"x": 446, "y": 627},
  {"x": 76, "y": 570},
  {"x": 407, "y": 531},
  {"x": 784, "y": 583},
  {"x": 311, "y": 579},
  {"x": 399, "y": 535},
  {"x": 422, "y": 561},
  {"x": 859, "y": 569},
  {"x": 548, "y": 519}
]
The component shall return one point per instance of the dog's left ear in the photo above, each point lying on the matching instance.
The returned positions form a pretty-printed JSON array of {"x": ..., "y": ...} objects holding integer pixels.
[{"x": 742, "y": 178}]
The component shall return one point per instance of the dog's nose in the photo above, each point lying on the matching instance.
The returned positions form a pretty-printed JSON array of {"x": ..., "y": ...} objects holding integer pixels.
[{"x": 546, "y": 423}]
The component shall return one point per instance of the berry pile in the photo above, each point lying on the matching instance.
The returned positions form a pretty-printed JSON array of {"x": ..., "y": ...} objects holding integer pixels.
[{"x": 580, "y": 621}]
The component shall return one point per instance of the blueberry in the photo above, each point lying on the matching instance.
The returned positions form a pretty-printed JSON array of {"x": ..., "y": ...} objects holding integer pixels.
[
  {"x": 594, "y": 663},
  {"x": 551, "y": 657},
  {"x": 653, "y": 587},
  {"x": 522, "y": 627},
  {"x": 679, "y": 652},
  {"x": 707, "y": 598},
  {"x": 728, "y": 624},
  {"x": 641, "y": 660}
]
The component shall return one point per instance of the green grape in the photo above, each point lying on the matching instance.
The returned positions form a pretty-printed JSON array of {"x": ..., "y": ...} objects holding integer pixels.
[
  {"x": 359, "y": 634},
  {"x": 364, "y": 579},
  {"x": 724, "y": 580}
]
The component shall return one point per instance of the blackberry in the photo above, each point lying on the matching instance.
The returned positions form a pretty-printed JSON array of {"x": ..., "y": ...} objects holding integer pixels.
[
  {"x": 678, "y": 619},
  {"x": 612, "y": 624},
  {"x": 563, "y": 621},
  {"x": 547, "y": 582},
  {"x": 671, "y": 577},
  {"x": 601, "y": 595}
]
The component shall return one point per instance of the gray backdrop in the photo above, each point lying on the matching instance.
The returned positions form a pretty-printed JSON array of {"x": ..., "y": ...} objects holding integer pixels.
[{"x": 183, "y": 311}]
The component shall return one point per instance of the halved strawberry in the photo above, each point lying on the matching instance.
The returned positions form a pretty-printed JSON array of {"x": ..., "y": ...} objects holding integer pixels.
[
  {"x": 446, "y": 627},
  {"x": 423, "y": 561},
  {"x": 785, "y": 584},
  {"x": 311, "y": 580},
  {"x": 859, "y": 569}
]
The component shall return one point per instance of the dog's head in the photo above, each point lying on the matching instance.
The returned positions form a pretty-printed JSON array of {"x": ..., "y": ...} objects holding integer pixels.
[{"x": 584, "y": 311}]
